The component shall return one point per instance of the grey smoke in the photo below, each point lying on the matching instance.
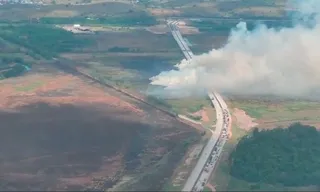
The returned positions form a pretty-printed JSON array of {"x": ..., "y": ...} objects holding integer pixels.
[{"x": 265, "y": 61}]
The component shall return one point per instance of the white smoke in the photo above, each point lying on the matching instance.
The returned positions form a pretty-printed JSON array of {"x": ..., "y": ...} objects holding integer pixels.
[{"x": 265, "y": 61}]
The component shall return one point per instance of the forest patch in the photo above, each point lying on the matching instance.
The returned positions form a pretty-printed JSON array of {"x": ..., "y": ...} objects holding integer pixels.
[{"x": 290, "y": 157}]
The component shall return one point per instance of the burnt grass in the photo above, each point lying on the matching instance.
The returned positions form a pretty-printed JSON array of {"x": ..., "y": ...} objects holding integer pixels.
[{"x": 41, "y": 144}]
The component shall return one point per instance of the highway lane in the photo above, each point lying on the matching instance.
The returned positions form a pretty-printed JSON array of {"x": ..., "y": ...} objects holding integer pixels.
[
  {"x": 179, "y": 39},
  {"x": 221, "y": 137},
  {"x": 210, "y": 154},
  {"x": 196, "y": 177}
]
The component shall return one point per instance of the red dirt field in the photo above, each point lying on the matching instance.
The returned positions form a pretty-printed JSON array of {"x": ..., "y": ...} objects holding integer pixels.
[
  {"x": 243, "y": 120},
  {"x": 203, "y": 114},
  {"x": 55, "y": 90},
  {"x": 211, "y": 187},
  {"x": 60, "y": 132}
]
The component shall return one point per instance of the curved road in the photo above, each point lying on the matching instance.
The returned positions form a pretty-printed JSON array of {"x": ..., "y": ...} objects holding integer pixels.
[{"x": 211, "y": 152}]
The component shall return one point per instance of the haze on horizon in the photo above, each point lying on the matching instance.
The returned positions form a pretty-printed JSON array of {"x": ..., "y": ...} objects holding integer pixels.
[{"x": 266, "y": 61}]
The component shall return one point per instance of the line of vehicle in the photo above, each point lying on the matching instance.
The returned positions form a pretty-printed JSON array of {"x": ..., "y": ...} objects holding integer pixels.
[
  {"x": 220, "y": 137},
  {"x": 215, "y": 144}
]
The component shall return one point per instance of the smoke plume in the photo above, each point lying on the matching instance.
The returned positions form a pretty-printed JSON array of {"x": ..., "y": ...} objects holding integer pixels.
[{"x": 265, "y": 61}]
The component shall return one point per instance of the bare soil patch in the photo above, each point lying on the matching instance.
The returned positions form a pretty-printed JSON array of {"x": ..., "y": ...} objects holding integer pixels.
[
  {"x": 243, "y": 120},
  {"x": 187, "y": 30},
  {"x": 203, "y": 114},
  {"x": 211, "y": 187},
  {"x": 164, "y": 12},
  {"x": 158, "y": 29}
]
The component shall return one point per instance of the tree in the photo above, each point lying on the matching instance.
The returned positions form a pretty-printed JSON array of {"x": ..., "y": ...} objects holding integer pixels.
[{"x": 287, "y": 156}]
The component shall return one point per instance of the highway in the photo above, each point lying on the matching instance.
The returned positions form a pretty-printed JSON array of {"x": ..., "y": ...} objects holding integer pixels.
[
  {"x": 211, "y": 152},
  {"x": 179, "y": 39}
]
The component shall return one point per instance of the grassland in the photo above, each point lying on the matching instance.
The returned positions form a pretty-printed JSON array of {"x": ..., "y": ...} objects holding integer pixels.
[
  {"x": 227, "y": 8},
  {"x": 13, "y": 60},
  {"x": 140, "y": 60},
  {"x": 128, "y": 58},
  {"x": 42, "y": 40},
  {"x": 268, "y": 114},
  {"x": 26, "y": 12},
  {"x": 280, "y": 113},
  {"x": 188, "y": 105},
  {"x": 26, "y": 44},
  {"x": 125, "y": 59},
  {"x": 141, "y": 156},
  {"x": 127, "y": 19}
]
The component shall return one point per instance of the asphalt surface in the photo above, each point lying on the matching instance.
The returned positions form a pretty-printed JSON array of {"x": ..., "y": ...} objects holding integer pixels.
[
  {"x": 211, "y": 152},
  {"x": 219, "y": 138}
]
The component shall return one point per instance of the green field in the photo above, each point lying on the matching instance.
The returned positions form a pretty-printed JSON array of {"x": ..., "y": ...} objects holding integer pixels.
[
  {"x": 127, "y": 19},
  {"x": 42, "y": 40},
  {"x": 27, "y": 44},
  {"x": 188, "y": 105},
  {"x": 280, "y": 110},
  {"x": 276, "y": 113},
  {"x": 12, "y": 66}
]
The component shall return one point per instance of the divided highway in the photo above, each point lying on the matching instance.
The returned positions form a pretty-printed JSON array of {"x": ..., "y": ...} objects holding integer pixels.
[
  {"x": 179, "y": 39},
  {"x": 211, "y": 152}
]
